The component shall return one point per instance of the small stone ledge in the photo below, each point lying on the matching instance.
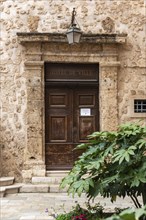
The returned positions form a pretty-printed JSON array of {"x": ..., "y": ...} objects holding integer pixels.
[
  {"x": 110, "y": 64},
  {"x": 28, "y": 37}
]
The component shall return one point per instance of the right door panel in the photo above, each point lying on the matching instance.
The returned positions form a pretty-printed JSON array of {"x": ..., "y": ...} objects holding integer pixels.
[{"x": 86, "y": 116}]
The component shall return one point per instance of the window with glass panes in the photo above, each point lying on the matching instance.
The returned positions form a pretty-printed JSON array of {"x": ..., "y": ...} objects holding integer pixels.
[{"x": 140, "y": 105}]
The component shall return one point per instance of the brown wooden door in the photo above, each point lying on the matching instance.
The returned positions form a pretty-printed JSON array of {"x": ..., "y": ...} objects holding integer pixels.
[{"x": 71, "y": 115}]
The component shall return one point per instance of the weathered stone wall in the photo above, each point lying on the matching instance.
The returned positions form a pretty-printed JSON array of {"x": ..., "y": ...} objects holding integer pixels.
[{"x": 93, "y": 16}]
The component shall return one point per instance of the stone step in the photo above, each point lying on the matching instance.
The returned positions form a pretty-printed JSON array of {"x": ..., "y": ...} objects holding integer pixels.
[
  {"x": 57, "y": 173},
  {"x": 56, "y": 189},
  {"x": 31, "y": 188},
  {"x": 2, "y": 192},
  {"x": 41, "y": 188},
  {"x": 15, "y": 188},
  {"x": 6, "y": 181},
  {"x": 47, "y": 180}
]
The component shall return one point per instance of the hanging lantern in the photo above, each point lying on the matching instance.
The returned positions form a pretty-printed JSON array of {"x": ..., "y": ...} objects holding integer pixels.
[{"x": 73, "y": 33}]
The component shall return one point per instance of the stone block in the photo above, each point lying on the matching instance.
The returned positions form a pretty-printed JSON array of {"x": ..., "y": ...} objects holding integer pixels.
[
  {"x": 35, "y": 105},
  {"x": 39, "y": 172},
  {"x": 6, "y": 181},
  {"x": 34, "y": 131},
  {"x": 33, "y": 22},
  {"x": 34, "y": 93},
  {"x": 30, "y": 188},
  {"x": 13, "y": 189},
  {"x": 33, "y": 167},
  {"x": 34, "y": 147},
  {"x": 56, "y": 189},
  {"x": 46, "y": 180},
  {"x": 31, "y": 118},
  {"x": 57, "y": 173},
  {"x": 36, "y": 81}
]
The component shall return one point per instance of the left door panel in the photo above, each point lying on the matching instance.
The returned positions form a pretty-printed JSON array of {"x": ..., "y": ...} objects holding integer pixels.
[{"x": 58, "y": 128}]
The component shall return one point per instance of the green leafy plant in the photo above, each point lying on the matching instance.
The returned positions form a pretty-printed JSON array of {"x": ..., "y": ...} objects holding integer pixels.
[
  {"x": 119, "y": 210},
  {"x": 130, "y": 214},
  {"x": 66, "y": 216},
  {"x": 113, "y": 164},
  {"x": 127, "y": 214}
]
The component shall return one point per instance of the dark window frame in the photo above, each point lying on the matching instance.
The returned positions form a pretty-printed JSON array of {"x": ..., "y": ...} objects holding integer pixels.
[{"x": 139, "y": 105}]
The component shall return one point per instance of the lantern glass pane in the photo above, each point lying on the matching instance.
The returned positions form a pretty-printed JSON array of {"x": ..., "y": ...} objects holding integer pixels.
[
  {"x": 77, "y": 36},
  {"x": 70, "y": 37}
]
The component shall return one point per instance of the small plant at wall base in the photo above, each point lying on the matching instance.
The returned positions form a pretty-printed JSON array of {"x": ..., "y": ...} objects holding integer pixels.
[
  {"x": 79, "y": 213},
  {"x": 127, "y": 214},
  {"x": 113, "y": 164}
]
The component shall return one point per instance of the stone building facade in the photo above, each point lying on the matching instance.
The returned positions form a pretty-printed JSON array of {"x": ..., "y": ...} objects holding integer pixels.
[{"x": 33, "y": 37}]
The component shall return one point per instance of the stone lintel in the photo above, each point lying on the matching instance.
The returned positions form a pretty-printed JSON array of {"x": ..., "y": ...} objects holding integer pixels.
[
  {"x": 26, "y": 37},
  {"x": 110, "y": 64},
  {"x": 80, "y": 55}
]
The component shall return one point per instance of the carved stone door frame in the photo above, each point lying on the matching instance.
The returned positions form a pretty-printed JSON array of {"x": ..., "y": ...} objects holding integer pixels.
[{"x": 41, "y": 47}]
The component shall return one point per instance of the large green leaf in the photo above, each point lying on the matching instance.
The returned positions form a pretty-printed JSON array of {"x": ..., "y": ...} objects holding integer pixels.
[
  {"x": 139, "y": 213},
  {"x": 128, "y": 214}
]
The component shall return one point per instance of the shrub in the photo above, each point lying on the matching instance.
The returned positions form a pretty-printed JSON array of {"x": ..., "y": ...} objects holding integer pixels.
[{"x": 113, "y": 164}]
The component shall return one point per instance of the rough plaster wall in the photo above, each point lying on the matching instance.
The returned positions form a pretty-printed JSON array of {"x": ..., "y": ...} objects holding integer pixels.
[{"x": 54, "y": 16}]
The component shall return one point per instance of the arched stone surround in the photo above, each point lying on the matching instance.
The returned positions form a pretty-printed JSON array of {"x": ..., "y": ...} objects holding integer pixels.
[{"x": 39, "y": 48}]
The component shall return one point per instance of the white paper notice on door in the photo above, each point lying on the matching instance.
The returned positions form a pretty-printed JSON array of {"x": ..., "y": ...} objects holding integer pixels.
[{"x": 85, "y": 112}]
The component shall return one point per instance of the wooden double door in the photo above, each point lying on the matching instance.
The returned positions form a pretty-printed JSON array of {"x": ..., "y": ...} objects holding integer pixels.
[{"x": 71, "y": 113}]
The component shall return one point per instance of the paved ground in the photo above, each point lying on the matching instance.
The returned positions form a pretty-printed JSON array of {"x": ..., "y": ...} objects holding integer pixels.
[{"x": 32, "y": 206}]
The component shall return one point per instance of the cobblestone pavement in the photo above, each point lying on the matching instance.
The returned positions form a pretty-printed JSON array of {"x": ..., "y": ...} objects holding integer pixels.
[{"x": 32, "y": 206}]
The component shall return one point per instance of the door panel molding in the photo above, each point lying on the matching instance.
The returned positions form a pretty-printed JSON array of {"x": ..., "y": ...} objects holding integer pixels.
[
  {"x": 86, "y": 127},
  {"x": 59, "y": 125}
]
